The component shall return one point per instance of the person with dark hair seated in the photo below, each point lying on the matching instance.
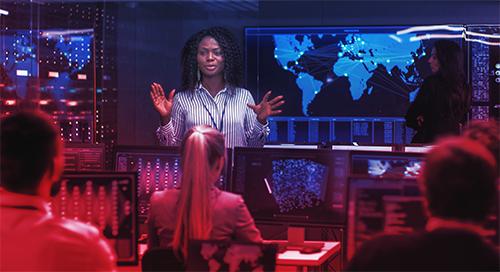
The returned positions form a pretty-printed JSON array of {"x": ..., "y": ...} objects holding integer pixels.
[
  {"x": 460, "y": 187},
  {"x": 31, "y": 239}
]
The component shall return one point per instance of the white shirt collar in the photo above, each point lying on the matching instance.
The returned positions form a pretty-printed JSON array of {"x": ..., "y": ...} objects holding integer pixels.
[{"x": 227, "y": 88}]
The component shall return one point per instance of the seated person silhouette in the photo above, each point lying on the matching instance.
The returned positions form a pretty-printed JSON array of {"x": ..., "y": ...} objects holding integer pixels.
[
  {"x": 199, "y": 210},
  {"x": 486, "y": 132},
  {"x": 459, "y": 184},
  {"x": 32, "y": 239}
]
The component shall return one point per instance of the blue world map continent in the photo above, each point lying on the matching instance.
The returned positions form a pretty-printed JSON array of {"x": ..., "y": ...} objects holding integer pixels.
[{"x": 355, "y": 56}]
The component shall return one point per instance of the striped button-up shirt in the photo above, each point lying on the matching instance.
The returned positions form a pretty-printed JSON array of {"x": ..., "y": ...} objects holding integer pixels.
[{"x": 228, "y": 111}]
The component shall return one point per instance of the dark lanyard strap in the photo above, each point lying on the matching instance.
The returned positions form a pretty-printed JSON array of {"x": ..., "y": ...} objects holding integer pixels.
[{"x": 213, "y": 119}]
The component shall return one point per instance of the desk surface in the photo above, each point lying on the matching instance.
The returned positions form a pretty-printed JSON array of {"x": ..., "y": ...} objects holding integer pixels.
[
  {"x": 289, "y": 257},
  {"x": 294, "y": 257}
]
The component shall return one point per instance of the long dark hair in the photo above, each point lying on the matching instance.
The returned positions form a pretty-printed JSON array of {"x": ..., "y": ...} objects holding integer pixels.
[
  {"x": 233, "y": 63},
  {"x": 451, "y": 64}
]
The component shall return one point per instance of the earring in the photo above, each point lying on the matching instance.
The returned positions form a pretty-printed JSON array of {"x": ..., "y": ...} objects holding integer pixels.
[{"x": 198, "y": 74}]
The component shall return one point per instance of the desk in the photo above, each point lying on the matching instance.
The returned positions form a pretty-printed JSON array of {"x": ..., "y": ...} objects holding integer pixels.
[
  {"x": 303, "y": 261},
  {"x": 290, "y": 260}
]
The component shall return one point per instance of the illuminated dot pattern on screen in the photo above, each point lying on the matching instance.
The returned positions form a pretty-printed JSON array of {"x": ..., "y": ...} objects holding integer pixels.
[{"x": 298, "y": 184}]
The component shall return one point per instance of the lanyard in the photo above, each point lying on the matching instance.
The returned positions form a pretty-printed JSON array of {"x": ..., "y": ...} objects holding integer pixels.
[{"x": 212, "y": 118}]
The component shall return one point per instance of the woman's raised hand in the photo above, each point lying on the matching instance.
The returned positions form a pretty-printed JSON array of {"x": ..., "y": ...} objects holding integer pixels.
[
  {"x": 162, "y": 104},
  {"x": 267, "y": 108}
]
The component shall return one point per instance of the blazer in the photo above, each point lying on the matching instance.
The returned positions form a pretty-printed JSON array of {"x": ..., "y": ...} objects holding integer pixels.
[{"x": 231, "y": 219}]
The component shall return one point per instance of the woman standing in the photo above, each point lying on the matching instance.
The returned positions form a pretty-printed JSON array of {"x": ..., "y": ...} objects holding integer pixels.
[
  {"x": 211, "y": 75},
  {"x": 442, "y": 104}
]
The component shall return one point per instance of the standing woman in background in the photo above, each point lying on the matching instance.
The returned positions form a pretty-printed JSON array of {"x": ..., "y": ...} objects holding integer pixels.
[
  {"x": 199, "y": 210},
  {"x": 212, "y": 69},
  {"x": 443, "y": 101}
]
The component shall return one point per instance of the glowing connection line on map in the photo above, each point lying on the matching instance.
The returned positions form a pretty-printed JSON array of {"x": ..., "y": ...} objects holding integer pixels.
[
  {"x": 268, "y": 187},
  {"x": 396, "y": 38},
  {"x": 465, "y": 34},
  {"x": 451, "y": 36},
  {"x": 483, "y": 42},
  {"x": 435, "y": 36},
  {"x": 429, "y": 28}
]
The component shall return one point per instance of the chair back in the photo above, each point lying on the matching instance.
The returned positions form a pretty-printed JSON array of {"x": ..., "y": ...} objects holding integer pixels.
[
  {"x": 210, "y": 255},
  {"x": 161, "y": 259}
]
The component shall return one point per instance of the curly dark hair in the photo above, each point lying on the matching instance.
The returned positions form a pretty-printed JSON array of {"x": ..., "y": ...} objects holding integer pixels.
[{"x": 233, "y": 63}]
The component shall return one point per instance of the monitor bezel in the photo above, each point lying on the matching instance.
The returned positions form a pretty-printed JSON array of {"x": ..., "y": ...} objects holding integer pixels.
[
  {"x": 135, "y": 223},
  {"x": 295, "y": 152}
]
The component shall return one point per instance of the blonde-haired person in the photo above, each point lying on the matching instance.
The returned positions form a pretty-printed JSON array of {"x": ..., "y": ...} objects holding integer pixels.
[{"x": 199, "y": 210}]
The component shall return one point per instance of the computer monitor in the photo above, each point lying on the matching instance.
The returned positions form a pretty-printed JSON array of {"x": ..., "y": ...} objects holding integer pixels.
[
  {"x": 83, "y": 157},
  {"x": 390, "y": 205},
  {"x": 484, "y": 70},
  {"x": 158, "y": 168},
  {"x": 106, "y": 200},
  {"x": 386, "y": 164},
  {"x": 382, "y": 206},
  {"x": 295, "y": 187},
  {"x": 230, "y": 256},
  {"x": 342, "y": 84}
]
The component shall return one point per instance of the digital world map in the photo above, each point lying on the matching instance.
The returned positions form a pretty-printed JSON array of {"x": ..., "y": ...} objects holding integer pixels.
[
  {"x": 353, "y": 56},
  {"x": 51, "y": 68},
  {"x": 347, "y": 72},
  {"x": 67, "y": 55}
]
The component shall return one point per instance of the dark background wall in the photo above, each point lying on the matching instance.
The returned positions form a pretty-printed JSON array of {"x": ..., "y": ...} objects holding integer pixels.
[{"x": 151, "y": 35}]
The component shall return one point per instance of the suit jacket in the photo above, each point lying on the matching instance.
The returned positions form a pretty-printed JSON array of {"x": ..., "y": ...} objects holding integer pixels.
[{"x": 231, "y": 219}]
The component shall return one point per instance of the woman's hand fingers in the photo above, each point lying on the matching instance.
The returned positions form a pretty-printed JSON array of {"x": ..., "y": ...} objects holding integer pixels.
[
  {"x": 171, "y": 95},
  {"x": 276, "y": 99},
  {"x": 266, "y": 96},
  {"x": 278, "y": 104}
]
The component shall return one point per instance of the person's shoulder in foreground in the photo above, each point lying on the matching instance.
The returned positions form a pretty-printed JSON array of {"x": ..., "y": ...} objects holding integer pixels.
[{"x": 438, "y": 250}]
